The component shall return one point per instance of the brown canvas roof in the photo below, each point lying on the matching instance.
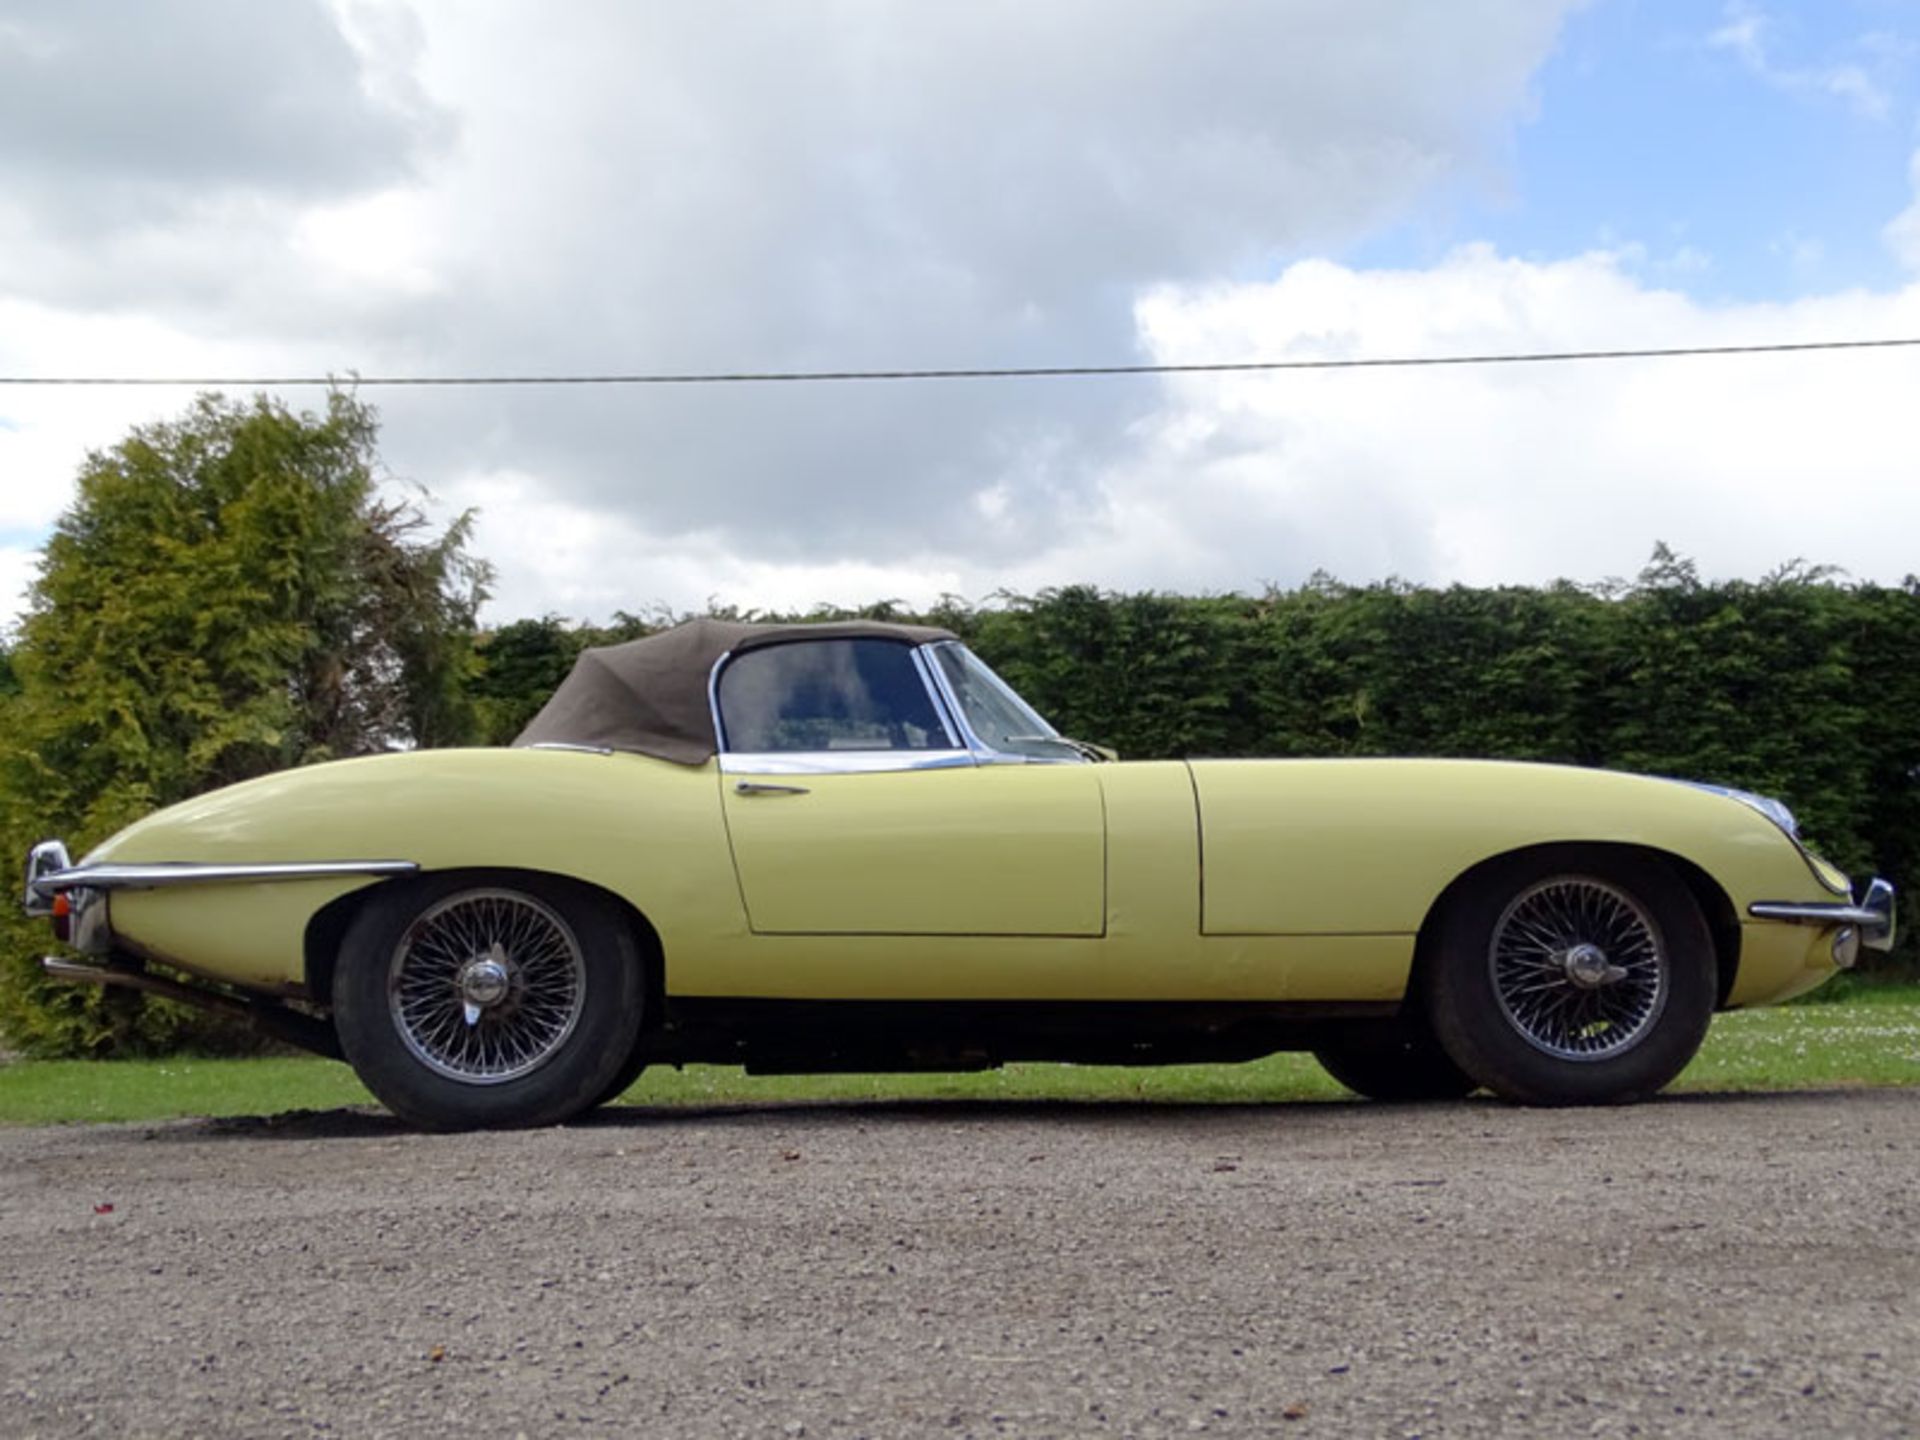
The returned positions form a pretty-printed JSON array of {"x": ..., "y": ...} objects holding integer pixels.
[{"x": 650, "y": 695}]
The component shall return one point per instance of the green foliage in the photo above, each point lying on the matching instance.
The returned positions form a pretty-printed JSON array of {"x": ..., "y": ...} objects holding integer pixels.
[
  {"x": 1159, "y": 670},
  {"x": 229, "y": 595},
  {"x": 520, "y": 665}
]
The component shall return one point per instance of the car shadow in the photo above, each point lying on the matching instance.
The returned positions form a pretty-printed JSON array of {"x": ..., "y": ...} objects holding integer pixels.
[
  {"x": 367, "y": 1122},
  {"x": 370, "y": 1123},
  {"x": 1344, "y": 1107},
  {"x": 363, "y": 1122}
]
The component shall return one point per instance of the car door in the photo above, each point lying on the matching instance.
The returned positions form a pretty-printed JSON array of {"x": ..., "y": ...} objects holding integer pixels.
[{"x": 854, "y": 808}]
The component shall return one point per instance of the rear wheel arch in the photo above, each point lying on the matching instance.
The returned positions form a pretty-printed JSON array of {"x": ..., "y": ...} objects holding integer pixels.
[
  {"x": 493, "y": 997},
  {"x": 327, "y": 929},
  {"x": 1715, "y": 906}
]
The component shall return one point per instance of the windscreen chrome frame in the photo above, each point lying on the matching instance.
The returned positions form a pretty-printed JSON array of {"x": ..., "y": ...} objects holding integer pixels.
[{"x": 986, "y": 754}]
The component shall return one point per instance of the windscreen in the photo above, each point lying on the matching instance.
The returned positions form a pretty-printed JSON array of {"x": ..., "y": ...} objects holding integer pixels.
[{"x": 1000, "y": 718}]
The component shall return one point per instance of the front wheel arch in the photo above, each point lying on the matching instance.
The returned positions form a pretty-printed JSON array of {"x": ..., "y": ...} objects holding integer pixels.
[
  {"x": 1723, "y": 922},
  {"x": 1507, "y": 1015}
]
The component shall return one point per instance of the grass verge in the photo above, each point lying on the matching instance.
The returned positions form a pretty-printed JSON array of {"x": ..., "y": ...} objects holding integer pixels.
[{"x": 1872, "y": 1039}]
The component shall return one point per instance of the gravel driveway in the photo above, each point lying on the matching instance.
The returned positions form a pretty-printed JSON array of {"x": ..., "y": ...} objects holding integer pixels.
[{"x": 1694, "y": 1266}]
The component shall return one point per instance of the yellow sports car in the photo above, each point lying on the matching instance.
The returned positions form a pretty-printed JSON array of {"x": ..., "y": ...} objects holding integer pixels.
[{"x": 852, "y": 847}]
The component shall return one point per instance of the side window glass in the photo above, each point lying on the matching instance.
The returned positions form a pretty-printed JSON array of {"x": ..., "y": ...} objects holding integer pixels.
[{"x": 811, "y": 695}]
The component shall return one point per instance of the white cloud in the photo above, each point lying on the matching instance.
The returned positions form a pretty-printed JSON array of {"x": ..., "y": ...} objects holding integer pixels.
[
  {"x": 1503, "y": 474},
  {"x": 371, "y": 249},
  {"x": 46, "y": 432},
  {"x": 154, "y": 156},
  {"x": 854, "y": 183},
  {"x": 1507, "y": 474},
  {"x": 874, "y": 185},
  {"x": 18, "y": 567},
  {"x": 1512, "y": 473},
  {"x": 575, "y": 561},
  {"x": 1804, "y": 253},
  {"x": 728, "y": 184},
  {"x": 1747, "y": 32},
  {"x": 1902, "y": 233}
]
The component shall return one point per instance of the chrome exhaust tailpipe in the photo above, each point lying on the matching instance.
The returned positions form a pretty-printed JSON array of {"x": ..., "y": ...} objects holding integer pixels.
[{"x": 270, "y": 1018}]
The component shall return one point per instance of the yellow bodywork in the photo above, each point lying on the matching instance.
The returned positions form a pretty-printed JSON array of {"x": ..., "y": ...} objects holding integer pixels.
[
  {"x": 873, "y": 854},
  {"x": 1209, "y": 880}
]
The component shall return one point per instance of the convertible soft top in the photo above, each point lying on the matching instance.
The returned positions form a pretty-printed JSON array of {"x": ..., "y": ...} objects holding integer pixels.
[{"x": 650, "y": 695}]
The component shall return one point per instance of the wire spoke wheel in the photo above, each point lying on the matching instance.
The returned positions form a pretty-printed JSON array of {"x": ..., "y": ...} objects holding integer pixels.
[
  {"x": 486, "y": 985},
  {"x": 1579, "y": 968}
]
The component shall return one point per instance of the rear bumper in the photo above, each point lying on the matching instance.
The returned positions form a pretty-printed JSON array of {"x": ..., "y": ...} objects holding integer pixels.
[
  {"x": 47, "y": 858},
  {"x": 1871, "y": 913},
  {"x": 75, "y": 896},
  {"x": 78, "y": 911}
]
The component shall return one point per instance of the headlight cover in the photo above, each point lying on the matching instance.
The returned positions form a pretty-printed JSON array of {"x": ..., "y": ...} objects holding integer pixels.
[{"x": 1773, "y": 809}]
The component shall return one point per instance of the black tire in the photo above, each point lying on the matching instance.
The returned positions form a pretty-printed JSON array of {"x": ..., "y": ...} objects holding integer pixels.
[
  {"x": 528, "y": 1030},
  {"x": 1581, "y": 975},
  {"x": 624, "y": 1077},
  {"x": 1395, "y": 1062}
]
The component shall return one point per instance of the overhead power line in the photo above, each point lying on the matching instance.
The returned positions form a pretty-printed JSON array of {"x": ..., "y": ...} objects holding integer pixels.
[{"x": 1008, "y": 372}]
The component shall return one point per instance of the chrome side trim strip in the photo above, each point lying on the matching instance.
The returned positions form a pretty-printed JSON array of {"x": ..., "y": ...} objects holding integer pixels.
[
  {"x": 161, "y": 874},
  {"x": 841, "y": 762},
  {"x": 1873, "y": 914}
]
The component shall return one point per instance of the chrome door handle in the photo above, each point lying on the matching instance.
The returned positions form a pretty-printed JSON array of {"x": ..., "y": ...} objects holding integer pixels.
[{"x": 755, "y": 787}]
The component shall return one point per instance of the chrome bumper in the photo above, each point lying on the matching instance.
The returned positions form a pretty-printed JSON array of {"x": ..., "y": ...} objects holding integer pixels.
[
  {"x": 82, "y": 922},
  {"x": 51, "y": 872},
  {"x": 1871, "y": 912},
  {"x": 47, "y": 858},
  {"x": 51, "y": 875}
]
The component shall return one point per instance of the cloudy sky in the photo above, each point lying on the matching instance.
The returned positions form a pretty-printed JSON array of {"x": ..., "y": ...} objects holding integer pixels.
[{"x": 427, "y": 187}]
